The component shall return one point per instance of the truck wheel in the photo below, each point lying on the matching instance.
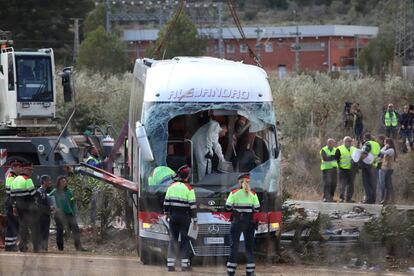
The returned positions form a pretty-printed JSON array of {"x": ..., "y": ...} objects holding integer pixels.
[{"x": 145, "y": 255}]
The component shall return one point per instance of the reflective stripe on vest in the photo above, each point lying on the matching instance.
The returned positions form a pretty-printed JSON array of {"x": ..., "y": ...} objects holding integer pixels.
[
  {"x": 180, "y": 195},
  {"x": 9, "y": 180},
  {"x": 22, "y": 186},
  {"x": 375, "y": 150},
  {"x": 326, "y": 165},
  {"x": 160, "y": 175},
  {"x": 346, "y": 157},
  {"x": 241, "y": 202},
  {"x": 93, "y": 158},
  {"x": 391, "y": 120}
]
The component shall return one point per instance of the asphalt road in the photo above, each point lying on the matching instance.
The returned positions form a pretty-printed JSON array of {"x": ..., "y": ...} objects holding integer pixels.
[{"x": 81, "y": 264}]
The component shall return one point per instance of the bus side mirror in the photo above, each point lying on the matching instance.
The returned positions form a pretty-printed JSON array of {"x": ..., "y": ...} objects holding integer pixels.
[
  {"x": 66, "y": 75},
  {"x": 143, "y": 142}
]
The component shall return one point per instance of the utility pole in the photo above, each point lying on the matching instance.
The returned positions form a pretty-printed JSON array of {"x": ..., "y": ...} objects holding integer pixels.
[
  {"x": 297, "y": 49},
  {"x": 356, "y": 54},
  {"x": 220, "y": 29},
  {"x": 296, "y": 46},
  {"x": 161, "y": 16},
  {"x": 108, "y": 16},
  {"x": 76, "y": 38},
  {"x": 258, "y": 45}
]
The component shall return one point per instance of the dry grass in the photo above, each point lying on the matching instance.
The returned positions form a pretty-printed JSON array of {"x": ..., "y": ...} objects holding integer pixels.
[{"x": 309, "y": 109}]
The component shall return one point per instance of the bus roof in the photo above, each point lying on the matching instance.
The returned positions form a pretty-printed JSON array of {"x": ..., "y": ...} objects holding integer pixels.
[{"x": 205, "y": 79}]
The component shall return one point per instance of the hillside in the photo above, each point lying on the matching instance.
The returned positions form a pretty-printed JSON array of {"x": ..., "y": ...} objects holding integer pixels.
[{"x": 368, "y": 12}]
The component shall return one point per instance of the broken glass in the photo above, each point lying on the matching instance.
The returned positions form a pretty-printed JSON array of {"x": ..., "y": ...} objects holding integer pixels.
[{"x": 261, "y": 117}]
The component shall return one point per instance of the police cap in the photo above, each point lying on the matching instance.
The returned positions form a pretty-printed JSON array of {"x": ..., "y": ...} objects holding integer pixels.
[
  {"x": 184, "y": 171},
  {"x": 244, "y": 176}
]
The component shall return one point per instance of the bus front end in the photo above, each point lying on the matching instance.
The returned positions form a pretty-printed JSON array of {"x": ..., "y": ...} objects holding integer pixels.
[{"x": 181, "y": 96}]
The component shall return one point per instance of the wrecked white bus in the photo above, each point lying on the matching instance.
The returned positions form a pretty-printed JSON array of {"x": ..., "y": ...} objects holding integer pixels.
[{"x": 172, "y": 99}]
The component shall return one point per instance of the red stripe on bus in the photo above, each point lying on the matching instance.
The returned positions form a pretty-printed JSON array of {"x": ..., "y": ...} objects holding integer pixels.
[
  {"x": 263, "y": 217},
  {"x": 275, "y": 216},
  {"x": 149, "y": 217}
]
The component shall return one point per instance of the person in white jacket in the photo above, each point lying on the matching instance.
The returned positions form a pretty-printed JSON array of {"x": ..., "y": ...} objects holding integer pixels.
[{"x": 206, "y": 143}]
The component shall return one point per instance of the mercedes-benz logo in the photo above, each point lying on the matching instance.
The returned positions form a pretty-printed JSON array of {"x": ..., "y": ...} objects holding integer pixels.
[
  {"x": 213, "y": 229},
  {"x": 211, "y": 202}
]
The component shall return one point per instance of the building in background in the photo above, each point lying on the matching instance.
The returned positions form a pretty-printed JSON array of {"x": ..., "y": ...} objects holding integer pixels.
[{"x": 284, "y": 49}]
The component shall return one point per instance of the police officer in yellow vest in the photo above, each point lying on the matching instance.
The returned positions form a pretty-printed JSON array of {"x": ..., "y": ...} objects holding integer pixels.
[
  {"x": 391, "y": 122},
  {"x": 243, "y": 202},
  {"x": 180, "y": 209},
  {"x": 22, "y": 194},
  {"x": 94, "y": 160},
  {"x": 369, "y": 175},
  {"x": 12, "y": 227},
  {"x": 346, "y": 170},
  {"x": 329, "y": 165}
]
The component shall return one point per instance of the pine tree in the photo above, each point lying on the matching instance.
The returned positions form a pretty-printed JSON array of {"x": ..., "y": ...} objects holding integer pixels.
[{"x": 42, "y": 23}]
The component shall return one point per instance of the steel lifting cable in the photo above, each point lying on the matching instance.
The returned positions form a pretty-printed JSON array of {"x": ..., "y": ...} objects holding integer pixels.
[
  {"x": 233, "y": 12},
  {"x": 157, "y": 51}
]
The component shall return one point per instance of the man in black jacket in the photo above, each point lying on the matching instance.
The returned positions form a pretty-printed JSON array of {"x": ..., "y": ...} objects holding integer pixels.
[
  {"x": 43, "y": 212},
  {"x": 406, "y": 128}
]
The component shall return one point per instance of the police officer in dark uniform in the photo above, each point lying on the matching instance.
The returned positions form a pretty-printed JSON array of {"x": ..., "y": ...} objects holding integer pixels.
[
  {"x": 43, "y": 212},
  {"x": 22, "y": 194},
  {"x": 243, "y": 202},
  {"x": 180, "y": 208},
  {"x": 12, "y": 222}
]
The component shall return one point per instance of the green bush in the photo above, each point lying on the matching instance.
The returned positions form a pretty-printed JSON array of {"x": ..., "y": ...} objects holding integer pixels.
[
  {"x": 102, "y": 52},
  {"x": 100, "y": 99},
  {"x": 394, "y": 230},
  {"x": 110, "y": 201}
]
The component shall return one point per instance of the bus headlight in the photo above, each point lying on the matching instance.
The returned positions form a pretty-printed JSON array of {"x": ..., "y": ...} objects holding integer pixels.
[
  {"x": 154, "y": 227},
  {"x": 274, "y": 226},
  {"x": 262, "y": 228},
  {"x": 265, "y": 227}
]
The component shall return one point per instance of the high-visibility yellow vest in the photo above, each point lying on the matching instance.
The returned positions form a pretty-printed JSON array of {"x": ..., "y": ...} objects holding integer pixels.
[
  {"x": 326, "y": 165},
  {"x": 180, "y": 194},
  {"x": 391, "y": 119},
  {"x": 243, "y": 202},
  {"x": 159, "y": 175},
  {"x": 346, "y": 157},
  {"x": 22, "y": 186},
  {"x": 375, "y": 150},
  {"x": 9, "y": 180}
]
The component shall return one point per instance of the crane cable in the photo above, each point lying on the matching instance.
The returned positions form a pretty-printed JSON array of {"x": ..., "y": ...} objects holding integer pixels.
[
  {"x": 157, "y": 51},
  {"x": 233, "y": 12}
]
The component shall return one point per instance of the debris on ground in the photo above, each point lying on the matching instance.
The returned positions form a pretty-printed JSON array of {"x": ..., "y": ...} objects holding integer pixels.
[{"x": 334, "y": 226}]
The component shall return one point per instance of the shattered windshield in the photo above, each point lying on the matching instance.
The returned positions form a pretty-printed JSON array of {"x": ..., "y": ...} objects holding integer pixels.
[{"x": 218, "y": 140}]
